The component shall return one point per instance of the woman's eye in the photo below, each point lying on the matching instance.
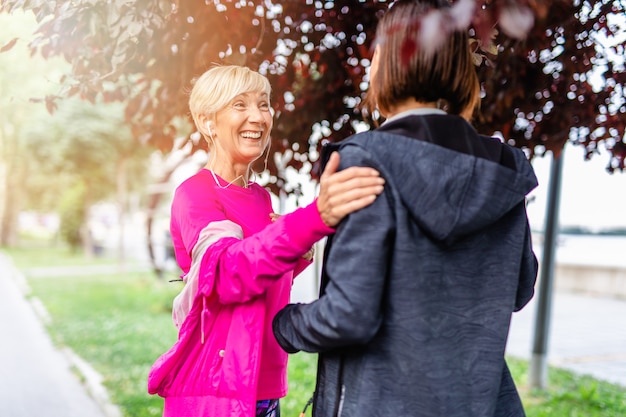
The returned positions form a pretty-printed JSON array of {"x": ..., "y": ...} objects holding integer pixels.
[
  {"x": 239, "y": 105},
  {"x": 264, "y": 106}
]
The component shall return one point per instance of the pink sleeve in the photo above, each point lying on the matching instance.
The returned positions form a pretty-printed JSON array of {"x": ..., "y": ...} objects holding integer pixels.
[
  {"x": 301, "y": 266},
  {"x": 248, "y": 267}
]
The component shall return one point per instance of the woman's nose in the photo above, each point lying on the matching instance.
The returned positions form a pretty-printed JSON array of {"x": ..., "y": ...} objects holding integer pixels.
[{"x": 256, "y": 114}]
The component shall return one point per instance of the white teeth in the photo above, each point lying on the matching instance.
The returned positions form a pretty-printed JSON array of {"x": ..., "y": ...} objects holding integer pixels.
[{"x": 251, "y": 135}]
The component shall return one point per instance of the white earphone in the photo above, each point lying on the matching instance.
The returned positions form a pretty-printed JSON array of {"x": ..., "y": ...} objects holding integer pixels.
[{"x": 209, "y": 127}]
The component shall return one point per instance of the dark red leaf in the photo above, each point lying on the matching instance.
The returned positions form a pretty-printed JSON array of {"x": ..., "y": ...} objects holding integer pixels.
[{"x": 7, "y": 46}]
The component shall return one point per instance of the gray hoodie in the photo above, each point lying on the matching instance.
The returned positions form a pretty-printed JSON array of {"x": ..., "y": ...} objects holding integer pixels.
[{"x": 419, "y": 287}]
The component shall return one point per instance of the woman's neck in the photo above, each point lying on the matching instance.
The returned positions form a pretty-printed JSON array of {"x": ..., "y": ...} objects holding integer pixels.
[
  {"x": 408, "y": 104},
  {"x": 236, "y": 174}
]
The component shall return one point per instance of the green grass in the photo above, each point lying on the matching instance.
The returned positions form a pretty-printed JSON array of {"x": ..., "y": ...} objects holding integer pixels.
[
  {"x": 39, "y": 254},
  {"x": 120, "y": 323},
  {"x": 569, "y": 395}
]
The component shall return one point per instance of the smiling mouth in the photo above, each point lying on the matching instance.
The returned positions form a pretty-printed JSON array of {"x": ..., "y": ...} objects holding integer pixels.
[{"x": 252, "y": 135}]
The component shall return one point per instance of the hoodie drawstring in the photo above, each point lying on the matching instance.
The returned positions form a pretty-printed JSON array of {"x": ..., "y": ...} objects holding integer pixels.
[{"x": 204, "y": 313}]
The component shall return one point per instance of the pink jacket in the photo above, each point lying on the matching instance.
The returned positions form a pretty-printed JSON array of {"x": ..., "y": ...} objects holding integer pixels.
[{"x": 212, "y": 370}]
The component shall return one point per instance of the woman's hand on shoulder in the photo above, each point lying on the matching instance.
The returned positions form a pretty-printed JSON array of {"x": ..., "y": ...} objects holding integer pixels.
[{"x": 346, "y": 191}]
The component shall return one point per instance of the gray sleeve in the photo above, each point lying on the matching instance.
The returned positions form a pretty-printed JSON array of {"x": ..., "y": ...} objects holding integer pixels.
[{"x": 349, "y": 310}]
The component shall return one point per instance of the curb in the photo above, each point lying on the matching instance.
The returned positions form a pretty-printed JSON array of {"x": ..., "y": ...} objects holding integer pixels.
[{"x": 93, "y": 382}]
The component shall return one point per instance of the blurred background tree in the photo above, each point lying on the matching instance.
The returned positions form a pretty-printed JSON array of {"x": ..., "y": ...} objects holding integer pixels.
[
  {"x": 65, "y": 162},
  {"x": 91, "y": 147},
  {"x": 552, "y": 71},
  {"x": 19, "y": 81},
  {"x": 564, "y": 82}
]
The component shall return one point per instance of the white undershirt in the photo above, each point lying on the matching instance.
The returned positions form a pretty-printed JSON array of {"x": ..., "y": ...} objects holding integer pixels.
[{"x": 422, "y": 111}]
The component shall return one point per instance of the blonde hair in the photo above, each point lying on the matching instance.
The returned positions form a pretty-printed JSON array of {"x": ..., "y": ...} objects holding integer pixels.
[
  {"x": 447, "y": 75},
  {"x": 215, "y": 88}
]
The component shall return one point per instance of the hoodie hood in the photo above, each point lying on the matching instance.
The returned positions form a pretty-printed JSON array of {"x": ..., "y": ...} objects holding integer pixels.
[{"x": 448, "y": 193}]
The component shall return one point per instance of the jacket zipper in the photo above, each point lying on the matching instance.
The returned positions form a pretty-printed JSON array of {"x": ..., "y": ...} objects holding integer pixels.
[
  {"x": 341, "y": 399},
  {"x": 341, "y": 390}
]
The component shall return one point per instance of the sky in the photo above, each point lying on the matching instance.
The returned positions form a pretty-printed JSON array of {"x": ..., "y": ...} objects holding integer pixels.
[{"x": 590, "y": 196}]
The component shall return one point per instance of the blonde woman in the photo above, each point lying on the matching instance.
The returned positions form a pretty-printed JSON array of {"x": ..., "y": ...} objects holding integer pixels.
[{"x": 238, "y": 259}]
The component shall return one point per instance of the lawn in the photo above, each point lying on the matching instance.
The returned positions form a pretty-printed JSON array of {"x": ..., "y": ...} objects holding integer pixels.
[{"x": 120, "y": 323}]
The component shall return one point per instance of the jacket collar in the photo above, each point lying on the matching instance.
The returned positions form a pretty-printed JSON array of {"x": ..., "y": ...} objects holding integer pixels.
[{"x": 414, "y": 112}]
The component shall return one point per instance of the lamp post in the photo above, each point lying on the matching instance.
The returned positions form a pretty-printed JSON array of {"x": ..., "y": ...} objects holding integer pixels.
[{"x": 538, "y": 364}]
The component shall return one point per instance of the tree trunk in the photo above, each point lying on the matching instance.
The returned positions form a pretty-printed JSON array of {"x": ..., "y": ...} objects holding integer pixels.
[
  {"x": 153, "y": 204},
  {"x": 3, "y": 192},
  {"x": 10, "y": 214},
  {"x": 122, "y": 200},
  {"x": 87, "y": 240},
  {"x": 12, "y": 182}
]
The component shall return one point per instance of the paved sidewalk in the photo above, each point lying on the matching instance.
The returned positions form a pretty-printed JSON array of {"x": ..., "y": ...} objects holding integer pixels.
[
  {"x": 587, "y": 335},
  {"x": 36, "y": 378}
]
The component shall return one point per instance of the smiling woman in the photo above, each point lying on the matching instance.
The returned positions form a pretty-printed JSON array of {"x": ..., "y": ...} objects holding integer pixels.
[
  {"x": 237, "y": 131},
  {"x": 238, "y": 258}
]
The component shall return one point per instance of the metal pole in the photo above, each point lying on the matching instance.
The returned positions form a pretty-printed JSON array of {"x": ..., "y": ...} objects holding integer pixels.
[{"x": 538, "y": 368}]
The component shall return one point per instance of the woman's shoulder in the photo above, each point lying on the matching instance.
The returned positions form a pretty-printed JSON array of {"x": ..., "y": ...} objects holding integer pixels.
[
  {"x": 198, "y": 186},
  {"x": 257, "y": 188},
  {"x": 201, "y": 180},
  {"x": 367, "y": 139},
  {"x": 261, "y": 193},
  {"x": 359, "y": 150}
]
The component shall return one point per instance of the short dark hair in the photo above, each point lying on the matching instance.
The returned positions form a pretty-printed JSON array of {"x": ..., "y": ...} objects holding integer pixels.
[{"x": 447, "y": 74}]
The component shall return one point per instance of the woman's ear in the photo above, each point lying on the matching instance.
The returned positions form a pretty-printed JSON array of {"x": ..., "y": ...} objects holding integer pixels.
[{"x": 206, "y": 126}]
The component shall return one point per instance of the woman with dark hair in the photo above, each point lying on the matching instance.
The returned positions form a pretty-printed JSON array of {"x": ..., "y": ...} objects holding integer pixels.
[{"x": 418, "y": 288}]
